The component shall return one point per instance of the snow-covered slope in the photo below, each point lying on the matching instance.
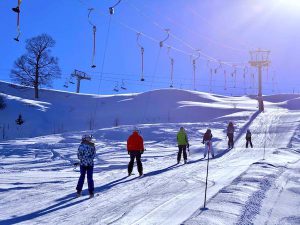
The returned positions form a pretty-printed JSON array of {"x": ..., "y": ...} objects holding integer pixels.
[
  {"x": 245, "y": 186},
  {"x": 58, "y": 112}
]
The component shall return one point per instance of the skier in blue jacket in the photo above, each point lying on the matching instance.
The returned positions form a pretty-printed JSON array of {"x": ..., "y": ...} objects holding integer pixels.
[{"x": 86, "y": 154}]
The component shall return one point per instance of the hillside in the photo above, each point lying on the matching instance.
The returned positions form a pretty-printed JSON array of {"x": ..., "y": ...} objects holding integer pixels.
[
  {"x": 257, "y": 185},
  {"x": 58, "y": 112}
]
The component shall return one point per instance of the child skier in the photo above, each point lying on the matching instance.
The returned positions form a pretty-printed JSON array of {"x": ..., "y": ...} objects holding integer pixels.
[
  {"x": 135, "y": 148},
  {"x": 208, "y": 143},
  {"x": 86, "y": 154},
  {"x": 230, "y": 132},
  {"x": 248, "y": 139},
  {"x": 183, "y": 143}
]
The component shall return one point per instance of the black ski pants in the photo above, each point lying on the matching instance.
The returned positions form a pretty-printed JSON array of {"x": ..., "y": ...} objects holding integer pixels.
[
  {"x": 135, "y": 155},
  {"x": 248, "y": 140},
  {"x": 230, "y": 140},
  {"x": 181, "y": 149},
  {"x": 89, "y": 171}
]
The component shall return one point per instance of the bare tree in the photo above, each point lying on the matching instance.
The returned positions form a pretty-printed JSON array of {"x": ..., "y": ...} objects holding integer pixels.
[{"x": 36, "y": 67}]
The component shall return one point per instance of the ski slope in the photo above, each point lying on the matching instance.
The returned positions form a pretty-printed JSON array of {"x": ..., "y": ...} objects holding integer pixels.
[{"x": 245, "y": 186}]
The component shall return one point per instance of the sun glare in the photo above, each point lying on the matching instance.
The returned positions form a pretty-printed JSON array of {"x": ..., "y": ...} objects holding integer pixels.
[{"x": 291, "y": 5}]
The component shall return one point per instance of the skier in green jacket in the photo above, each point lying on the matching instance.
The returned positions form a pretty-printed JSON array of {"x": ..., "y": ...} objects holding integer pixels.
[{"x": 183, "y": 143}]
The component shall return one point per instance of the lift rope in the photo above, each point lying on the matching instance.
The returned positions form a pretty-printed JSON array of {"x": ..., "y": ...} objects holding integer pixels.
[
  {"x": 17, "y": 10},
  {"x": 218, "y": 67},
  {"x": 210, "y": 79},
  {"x": 194, "y": 69},
  {"x": 234, "y": 77},
  {"x": 142, "y": 55},
  {"x": 225, "y": 80},
  {"x": 161, "y": 43},
  {"x": 172, "y": 66},
  {"x": 94, "y": 37},
  {"x": 244, "y": 78}
]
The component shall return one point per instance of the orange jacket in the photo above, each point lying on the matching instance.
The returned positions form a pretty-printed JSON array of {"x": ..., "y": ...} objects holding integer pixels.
[{"x": 135, "y": 142}]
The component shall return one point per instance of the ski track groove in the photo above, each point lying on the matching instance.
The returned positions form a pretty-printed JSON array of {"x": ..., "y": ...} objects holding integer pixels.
[{"x": 195, "y": 168}]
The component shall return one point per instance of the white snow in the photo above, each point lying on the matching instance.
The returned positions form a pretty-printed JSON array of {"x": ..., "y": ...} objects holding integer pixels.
[{"x": 259, "y": 185}]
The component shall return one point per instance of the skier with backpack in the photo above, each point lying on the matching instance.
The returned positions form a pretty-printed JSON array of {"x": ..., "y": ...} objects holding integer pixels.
[
  {"x": 86, "y": 154},
  {"x": 248, "y": 139},
  {"x": 183, "y": 143},
  {"x": 230, "y": 134},
  {"x": 135, "y": 148},
  {"x": 208, "y": 143}
]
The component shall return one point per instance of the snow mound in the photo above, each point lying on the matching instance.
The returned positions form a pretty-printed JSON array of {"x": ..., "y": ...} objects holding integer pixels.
[{"x": 58, "y": 111}]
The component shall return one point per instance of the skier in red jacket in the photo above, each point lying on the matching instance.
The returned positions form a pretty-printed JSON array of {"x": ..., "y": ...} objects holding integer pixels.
[{"x": 135, "y": 148}]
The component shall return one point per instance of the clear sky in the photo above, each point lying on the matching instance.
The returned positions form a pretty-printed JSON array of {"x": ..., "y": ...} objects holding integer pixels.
[{"x": 223, "y": 30}]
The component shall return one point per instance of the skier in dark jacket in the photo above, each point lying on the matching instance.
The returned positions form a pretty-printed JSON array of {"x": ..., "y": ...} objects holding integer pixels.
[
  {"x": 183, "y": 143},
  {"x": 248, "y": 139},
  {"x": 230, "y": 134},
  {"x": 86, "y": 154},
  {"x": 208, "y": 143},
  {"x": 135, "y": 148}
]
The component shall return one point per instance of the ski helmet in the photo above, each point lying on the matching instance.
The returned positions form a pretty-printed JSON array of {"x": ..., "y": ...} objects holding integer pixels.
[{"x": 86, "y": 137}]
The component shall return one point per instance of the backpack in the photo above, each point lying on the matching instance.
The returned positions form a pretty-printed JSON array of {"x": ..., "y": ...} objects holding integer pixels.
[{"x": 248, "y": 134}]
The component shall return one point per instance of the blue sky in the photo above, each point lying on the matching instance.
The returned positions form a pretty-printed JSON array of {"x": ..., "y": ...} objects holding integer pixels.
[{"x": 223, "y": 30}]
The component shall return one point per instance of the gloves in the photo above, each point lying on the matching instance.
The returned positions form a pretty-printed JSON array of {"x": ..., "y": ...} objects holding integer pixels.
[
  {"x": 202, "y": 142},
  {"x": 142, "y": 151},
  {"x": 188, "y": 145},
  {"x": 128, "y": 152}
]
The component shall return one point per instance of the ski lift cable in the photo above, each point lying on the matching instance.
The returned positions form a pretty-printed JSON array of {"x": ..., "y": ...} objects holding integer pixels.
[
  {"x": 176, "y": 23},
  {"x": 176, "y": 49},
  {"x": 216, "y": 42},
  {"x": 174, "y": 36},
  {"x": 194, "y": 49},
  {"x": 163, "y": 81},
  {"x": 230, "y": 87},
  {"x": 149, "y": 37},
  {"x": 143, "y": 34},
  {"x": 119, "y": 1}
]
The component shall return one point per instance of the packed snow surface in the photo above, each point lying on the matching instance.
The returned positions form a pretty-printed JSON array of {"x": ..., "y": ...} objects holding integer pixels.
[{"x": 259, "y": 185}]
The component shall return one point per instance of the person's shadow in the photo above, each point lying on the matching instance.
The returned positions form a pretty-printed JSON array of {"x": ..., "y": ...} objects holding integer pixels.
[{"x": 70, "y": 200}]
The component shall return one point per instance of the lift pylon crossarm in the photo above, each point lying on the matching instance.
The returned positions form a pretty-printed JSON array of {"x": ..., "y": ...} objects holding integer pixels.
[
  {"x": 260, "y": 59},
  {"x": 79, "y": 75}
]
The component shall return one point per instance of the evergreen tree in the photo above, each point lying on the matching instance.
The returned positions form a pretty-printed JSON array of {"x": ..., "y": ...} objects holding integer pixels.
[
  {"x": 20, "y": 120},
  {"x": 2, "y": 103}
]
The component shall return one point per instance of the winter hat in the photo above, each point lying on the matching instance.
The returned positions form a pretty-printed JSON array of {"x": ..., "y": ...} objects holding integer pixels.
[
  {"x": 86, "y": 137},
  {"x": 135, "y": 129}
]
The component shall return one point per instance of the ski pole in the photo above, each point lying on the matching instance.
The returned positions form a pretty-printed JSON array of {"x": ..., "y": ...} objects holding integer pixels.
[{"x": 206, "y": 176}]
